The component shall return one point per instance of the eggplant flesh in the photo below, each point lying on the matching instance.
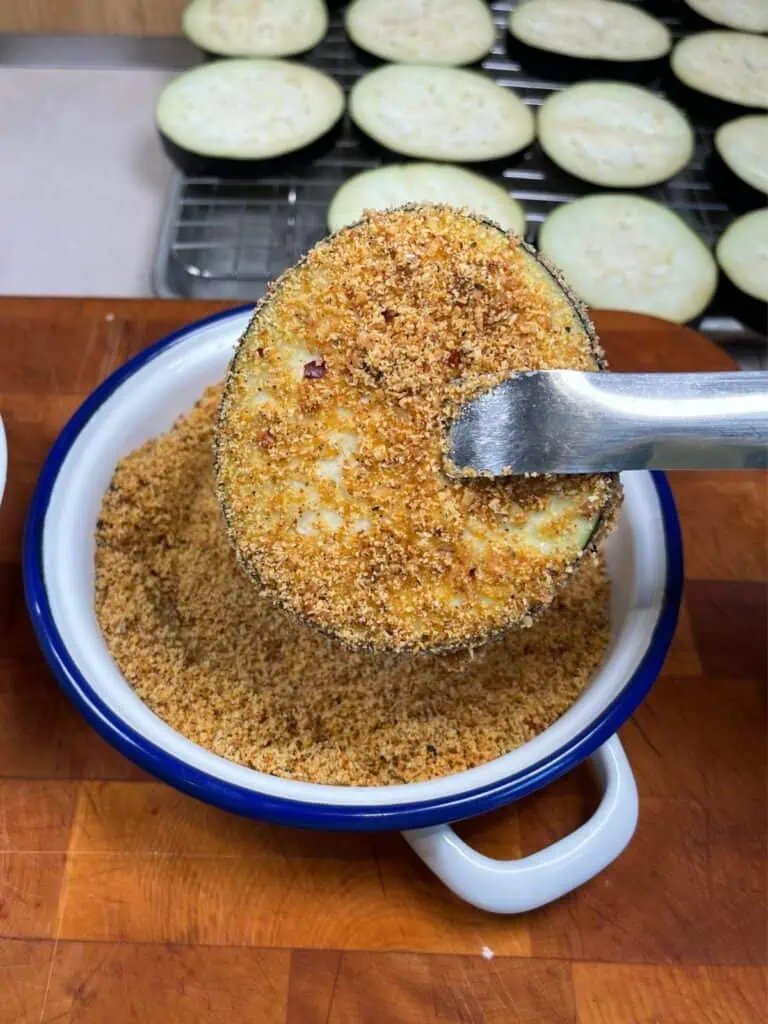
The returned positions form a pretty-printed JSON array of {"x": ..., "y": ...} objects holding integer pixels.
[
  {"x": 622, "y": 251},
  {"x": 386, "y": 188},
  {"x": 231, "y": 116},
  {"x": 614, "y": 135},
  {"x": 447, "y": 32},
  {"x": 255, "y": 28},
  {"x": 437, "y": 113},
  {"x": 740, "y": 165},
  {"x": 728, "y": 67},
  {"x": 742, "y": 252},
  {"x": 742, "y": 15},
  {"x": 602, "y": 30},
  {"x": 319, "y": 496}
]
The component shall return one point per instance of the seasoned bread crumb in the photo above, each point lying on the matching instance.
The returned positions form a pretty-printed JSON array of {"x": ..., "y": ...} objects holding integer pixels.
[
  {"x": 331, "y": 432},
  {"x": 247, "y": 681}
]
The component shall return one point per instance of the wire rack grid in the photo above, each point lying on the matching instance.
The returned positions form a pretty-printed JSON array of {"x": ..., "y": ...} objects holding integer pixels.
[{"x": 228, "y": 239}]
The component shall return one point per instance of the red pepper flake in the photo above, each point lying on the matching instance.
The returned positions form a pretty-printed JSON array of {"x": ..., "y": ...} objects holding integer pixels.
[
  {"x": 454, "y": 359},
  {"x": 267, "y": 439},
  {"x": 472, "y": 572},
  {"x": 315, "y": 369},
  {"x": 389, "y": 315},
  {"x": 260, "y": 353}
]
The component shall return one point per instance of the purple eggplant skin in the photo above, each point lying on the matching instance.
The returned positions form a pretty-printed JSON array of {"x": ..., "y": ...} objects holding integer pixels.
[
  {"x": 198, "y": 165},
  {"x": 739, "y": 195},
  {"x": 565, "y": 70}
]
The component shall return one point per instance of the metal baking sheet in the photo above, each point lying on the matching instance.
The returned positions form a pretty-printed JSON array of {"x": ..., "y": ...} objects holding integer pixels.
[{"x": 227, "y": 239}]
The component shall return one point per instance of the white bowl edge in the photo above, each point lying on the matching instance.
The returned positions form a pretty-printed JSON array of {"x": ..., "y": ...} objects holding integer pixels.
[
  {"x": 145, "y": 405},
  {"x": 3, "y": 460}
]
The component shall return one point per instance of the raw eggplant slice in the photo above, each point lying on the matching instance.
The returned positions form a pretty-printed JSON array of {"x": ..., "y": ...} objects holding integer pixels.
[
  {"x": 615, "y": 135},
  {"x": 422, "y": 31},
  {"x": 745, "y": 15},
  {"x": 742, "y": 252},
  {"x": 590, "y": 29},
  {"x": 626, "y": 252},
  {"x": 244, "y": 110},
  {"x": 255, "y": 28},
  {"x": 434, "y": 113},
  {"x": 743, "y": 146},
  {"x": 400, "y": 184},
  {"x": 730, "y": 66}
]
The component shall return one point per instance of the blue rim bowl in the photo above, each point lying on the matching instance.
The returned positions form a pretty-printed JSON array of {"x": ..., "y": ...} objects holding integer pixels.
[{"x": 402, "y": 811}]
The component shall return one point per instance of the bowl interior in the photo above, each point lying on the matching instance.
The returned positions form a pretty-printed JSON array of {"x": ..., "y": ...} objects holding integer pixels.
[{"x": 144, "y": 402}]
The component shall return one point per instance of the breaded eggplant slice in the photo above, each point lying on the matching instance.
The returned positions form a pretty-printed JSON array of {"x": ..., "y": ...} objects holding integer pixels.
[{"x": 329, "y": 442}]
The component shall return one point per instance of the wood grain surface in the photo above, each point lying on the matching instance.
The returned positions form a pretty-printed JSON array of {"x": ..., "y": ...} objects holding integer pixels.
[
  {"x": 91, "y": 17},
  {"x": 123, "y": 901}
]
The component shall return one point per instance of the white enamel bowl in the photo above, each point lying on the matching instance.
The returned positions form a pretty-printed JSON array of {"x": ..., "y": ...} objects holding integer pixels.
[
  {"x": 141, "y": 400},
  {"x": 3, "y": 460}
]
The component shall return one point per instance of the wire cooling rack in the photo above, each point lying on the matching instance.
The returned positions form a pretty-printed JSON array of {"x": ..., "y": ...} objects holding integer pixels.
[{"x": 227, "y": 239}]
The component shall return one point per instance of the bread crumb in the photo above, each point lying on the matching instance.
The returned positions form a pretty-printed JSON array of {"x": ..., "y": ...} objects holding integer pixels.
[
  {"x": 353, "y": 365},
  {"x": 246, "y": 680}
]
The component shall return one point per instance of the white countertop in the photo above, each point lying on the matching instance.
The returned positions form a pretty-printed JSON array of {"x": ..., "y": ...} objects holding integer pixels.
[{"x": 83, "y": 180}]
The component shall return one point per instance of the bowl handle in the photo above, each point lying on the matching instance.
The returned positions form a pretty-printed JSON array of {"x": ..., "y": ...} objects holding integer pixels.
[{"x": 514, "y": 886}]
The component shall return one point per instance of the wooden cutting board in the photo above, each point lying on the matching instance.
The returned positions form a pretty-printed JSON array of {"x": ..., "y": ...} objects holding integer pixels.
[{"x": 123, "y": 901}]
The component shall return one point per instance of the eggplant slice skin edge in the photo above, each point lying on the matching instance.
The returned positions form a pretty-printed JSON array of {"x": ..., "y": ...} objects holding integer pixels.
[
  {"x": 742, "y": 252},
  {"x": 600, "y": 30},
  {"x": 731, "y": 67},
  {"x": 626, "y": 252},
  {"x": 443, "y": 32},
  {"x": 742, "y": 145},
  {"x": 744, "y": 16},
  {"x": 243, "y": 110},
  {"x": 438, "y": 113},
  {"x": 394, "y": 185},
  {"x": 614, "y": 135},
  {"x": 273, "y": 28},
  {"x": 257, "y": 376}
]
